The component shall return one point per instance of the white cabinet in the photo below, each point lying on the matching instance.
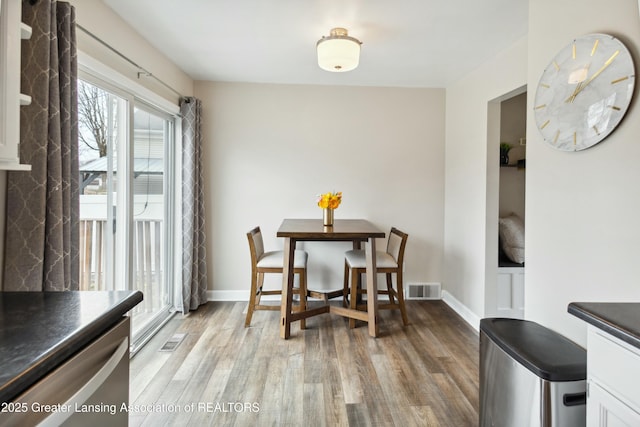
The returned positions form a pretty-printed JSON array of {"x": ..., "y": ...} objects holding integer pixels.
[
  {"x": 12, "y": 31},
  {"x": 605, "y": 410},
  {"x": 510, "y": 292},
  {"x": 613, "y": 374}
]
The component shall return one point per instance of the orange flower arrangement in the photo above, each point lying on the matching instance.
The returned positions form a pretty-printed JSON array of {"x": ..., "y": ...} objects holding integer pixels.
[{"x": 330, "y": 200}]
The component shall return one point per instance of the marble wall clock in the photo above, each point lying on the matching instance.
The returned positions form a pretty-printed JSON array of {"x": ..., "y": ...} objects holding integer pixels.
[{"x": 584, "y": 92}]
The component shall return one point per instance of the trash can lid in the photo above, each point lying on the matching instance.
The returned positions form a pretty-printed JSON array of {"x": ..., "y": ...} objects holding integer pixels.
[{"x": 544, "y": 352}]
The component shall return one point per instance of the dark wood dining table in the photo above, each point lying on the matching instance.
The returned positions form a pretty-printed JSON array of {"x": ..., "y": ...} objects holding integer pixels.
[{"x": 358, "y": 231}]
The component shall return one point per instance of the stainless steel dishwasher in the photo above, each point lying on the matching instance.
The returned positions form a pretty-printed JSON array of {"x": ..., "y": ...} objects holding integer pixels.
[{"x": 89, "y": 389}]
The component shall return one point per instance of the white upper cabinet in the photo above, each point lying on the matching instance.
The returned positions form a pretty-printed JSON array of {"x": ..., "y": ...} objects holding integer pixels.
[{"x": 12, "y": 31}]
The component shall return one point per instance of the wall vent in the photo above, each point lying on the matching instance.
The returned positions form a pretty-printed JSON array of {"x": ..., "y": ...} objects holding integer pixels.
[{"x": 424, "y": 291}]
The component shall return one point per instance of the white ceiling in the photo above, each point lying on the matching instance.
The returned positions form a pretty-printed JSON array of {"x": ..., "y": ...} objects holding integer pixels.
[{"x": 411, "y": 43}]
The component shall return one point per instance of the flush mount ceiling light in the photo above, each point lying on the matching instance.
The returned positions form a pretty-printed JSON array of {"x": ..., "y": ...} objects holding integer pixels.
[{"x": 338, "y": 52}]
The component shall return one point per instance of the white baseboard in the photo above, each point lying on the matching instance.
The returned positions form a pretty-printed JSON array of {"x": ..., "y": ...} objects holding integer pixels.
[
  {"x": 227, "y": 295},
  {"x": 236, "y": 296},
  {"x": 463, "y": 311}
]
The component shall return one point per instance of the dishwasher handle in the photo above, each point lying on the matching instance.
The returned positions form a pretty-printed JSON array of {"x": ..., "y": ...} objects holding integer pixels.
[{"x": 82, "y": 395}]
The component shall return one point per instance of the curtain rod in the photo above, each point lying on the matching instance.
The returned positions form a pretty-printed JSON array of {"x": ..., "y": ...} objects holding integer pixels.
[{"x": 142, "y": 71}]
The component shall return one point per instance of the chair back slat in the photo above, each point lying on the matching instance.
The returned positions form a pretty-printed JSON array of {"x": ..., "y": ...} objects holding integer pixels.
[
  {"x": 257, "y": 239},
  {"x": 393, "y": 246},
  {"x": 256, "y": 245},
  {"x": 396, "y": 243}
]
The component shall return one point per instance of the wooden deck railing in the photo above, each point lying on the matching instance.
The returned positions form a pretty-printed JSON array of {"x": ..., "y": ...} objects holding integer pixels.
[
  {"x": 147, "y": 259},
  {"x": 92, "y": 254}
]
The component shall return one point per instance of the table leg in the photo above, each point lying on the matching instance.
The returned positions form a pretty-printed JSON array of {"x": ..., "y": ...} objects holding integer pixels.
[
  {"x": 287, "y": 288},
  {"x": 372, "y": 287},
  {"x": 357, "y": 245}
]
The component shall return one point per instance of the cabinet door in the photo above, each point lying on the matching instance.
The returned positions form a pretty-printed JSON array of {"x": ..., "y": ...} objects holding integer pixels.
[
  {"x": 605, "y": 410},
  {"x": 510, "y": 292}
]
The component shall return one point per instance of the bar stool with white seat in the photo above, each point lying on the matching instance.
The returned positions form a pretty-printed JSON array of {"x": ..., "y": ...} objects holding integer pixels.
[
  {"x": 272, "y": 262},
  {"x": 389, "y": 262}
]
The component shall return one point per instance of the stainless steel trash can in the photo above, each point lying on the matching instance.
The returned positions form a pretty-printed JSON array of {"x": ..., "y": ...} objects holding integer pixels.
[{"x": 530, "y": 376}]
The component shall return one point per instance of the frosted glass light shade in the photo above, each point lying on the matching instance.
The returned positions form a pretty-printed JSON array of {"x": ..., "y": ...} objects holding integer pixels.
[{"x": 338, "y": 52}]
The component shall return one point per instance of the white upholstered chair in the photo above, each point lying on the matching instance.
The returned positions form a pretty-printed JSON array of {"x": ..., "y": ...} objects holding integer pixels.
[
  {"x": 388, "y": 262},
  {"x": 272, "y": 262}
]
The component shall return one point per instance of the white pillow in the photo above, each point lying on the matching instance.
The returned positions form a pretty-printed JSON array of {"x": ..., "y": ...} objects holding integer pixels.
[{"x": 511, "y": 229}]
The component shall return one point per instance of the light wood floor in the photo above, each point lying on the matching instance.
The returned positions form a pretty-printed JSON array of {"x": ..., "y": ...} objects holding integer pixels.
[{"x": 222, "y": 374}]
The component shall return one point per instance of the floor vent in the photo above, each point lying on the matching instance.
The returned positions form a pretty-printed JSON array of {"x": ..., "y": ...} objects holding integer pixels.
[
  {"x": 424, "y": 291},
  {"x": 173, "y": 342}
]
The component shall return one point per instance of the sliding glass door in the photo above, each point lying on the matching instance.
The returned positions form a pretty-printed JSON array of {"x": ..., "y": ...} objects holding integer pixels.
[
  {"x": 152, "y": 138},
  {"x": 102, "y": 130},
  {"x": 125, "y": 199}
]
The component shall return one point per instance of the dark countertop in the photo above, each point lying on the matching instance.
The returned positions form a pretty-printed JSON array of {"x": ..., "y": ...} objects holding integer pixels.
[
  {"x": 40, "y": 330},
  {"x": 620, "y": 319}
]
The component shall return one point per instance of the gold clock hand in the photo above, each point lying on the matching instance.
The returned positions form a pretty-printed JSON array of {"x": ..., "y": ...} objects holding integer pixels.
[
  {"x": 575, "y": 92},
  {"x": 579, "y": 74},
  {"x": 596, "y": 74}
]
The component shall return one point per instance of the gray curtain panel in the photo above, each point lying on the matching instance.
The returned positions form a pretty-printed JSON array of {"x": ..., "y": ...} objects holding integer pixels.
[
  {"x": 41, "y": 248},
  {"x": 194, "y": 265}
]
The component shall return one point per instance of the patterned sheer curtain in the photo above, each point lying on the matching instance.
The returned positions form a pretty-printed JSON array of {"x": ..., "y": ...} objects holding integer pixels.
[
  {"x": 41, "y": 247},
  {"x": 194, "y": 265}
]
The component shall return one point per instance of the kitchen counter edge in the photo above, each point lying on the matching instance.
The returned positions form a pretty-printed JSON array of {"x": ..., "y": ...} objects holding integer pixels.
[
  {"x": 69, "y": 344},
  {"x": 620, "y": 319}
]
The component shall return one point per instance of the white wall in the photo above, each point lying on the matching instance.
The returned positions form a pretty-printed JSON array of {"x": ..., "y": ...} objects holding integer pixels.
[
  {"x": 472, "y": 173},
  {"x": 101, "y": 21},
  {"x": 581, "y": 210},
  {"x": 270, "y": 149},
  {"x": 583, "y": 233}
]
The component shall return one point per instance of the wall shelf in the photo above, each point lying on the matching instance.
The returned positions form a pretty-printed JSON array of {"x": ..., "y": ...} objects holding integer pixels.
[
  {"x": 24, "y": 100},
  {"x": 11, "y": 166},
  {"x": 25, "y": 31}
]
